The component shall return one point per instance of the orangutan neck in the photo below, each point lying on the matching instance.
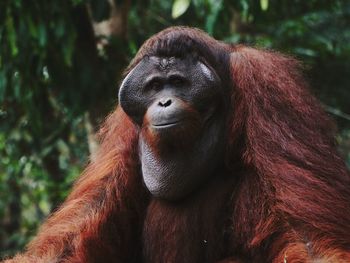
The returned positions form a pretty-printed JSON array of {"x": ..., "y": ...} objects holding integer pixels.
[{"x": 195, "y": 227}]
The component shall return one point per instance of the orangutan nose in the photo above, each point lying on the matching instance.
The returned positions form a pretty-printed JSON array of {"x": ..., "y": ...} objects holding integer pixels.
[{"x": 165, "y": 102}]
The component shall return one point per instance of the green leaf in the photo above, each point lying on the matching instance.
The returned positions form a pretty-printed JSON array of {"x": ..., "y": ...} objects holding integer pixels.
[
  {"x": 32, "y": 27},
  {"x": 179, "y": 8},
  {"x": 264, "y": 4},
  {"x": 11, "y": 33},
  {"x": 3, "y": 82},
  {"x": 215, "y": 8},
  {"x": 77, "y": 2},
  {"x": 42, "y": 35},
  {"x": 18, "y": 3},
  {"x": 68, "y": 50}
]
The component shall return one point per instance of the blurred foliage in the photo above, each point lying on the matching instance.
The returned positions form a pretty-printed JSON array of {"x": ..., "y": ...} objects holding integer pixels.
[{"x": 57, "y": 74}]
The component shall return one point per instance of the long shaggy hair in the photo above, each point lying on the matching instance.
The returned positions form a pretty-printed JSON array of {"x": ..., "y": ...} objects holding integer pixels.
[{"x": 290, "y": 200}]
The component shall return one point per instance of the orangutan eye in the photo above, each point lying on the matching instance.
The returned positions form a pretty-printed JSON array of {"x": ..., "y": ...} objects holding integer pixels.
[
  {"x": 177, "y": 81},
  {"x": 153, "y": 85},
  {"x": 156, "y": 85}
]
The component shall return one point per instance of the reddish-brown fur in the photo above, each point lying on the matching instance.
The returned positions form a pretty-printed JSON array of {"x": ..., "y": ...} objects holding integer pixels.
[{"x": 283, "y": 194}]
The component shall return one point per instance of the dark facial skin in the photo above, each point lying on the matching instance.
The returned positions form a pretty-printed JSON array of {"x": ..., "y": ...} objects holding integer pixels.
[{"x": 178, "y": 104}]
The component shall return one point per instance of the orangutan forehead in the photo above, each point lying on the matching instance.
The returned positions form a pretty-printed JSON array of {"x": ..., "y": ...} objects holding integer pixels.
[
  {"x": 163, "y": 62},
  {"x": 167, "y": 63}
]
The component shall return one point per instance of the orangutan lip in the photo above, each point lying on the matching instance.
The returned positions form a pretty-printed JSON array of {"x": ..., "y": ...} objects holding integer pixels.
[{"x": 165, "y": 125}]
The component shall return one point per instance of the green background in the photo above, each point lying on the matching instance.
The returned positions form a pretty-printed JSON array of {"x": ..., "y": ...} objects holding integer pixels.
[{"x": 60, "y": 64}]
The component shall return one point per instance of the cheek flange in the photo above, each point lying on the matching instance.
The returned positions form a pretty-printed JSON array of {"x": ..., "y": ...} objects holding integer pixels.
[
  {"x": 130, "y": 95},
  {"x": 206, "y": 72}
]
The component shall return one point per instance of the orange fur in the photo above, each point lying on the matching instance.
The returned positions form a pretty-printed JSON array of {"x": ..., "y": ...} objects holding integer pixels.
[{"x": 281, "y": 195}]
